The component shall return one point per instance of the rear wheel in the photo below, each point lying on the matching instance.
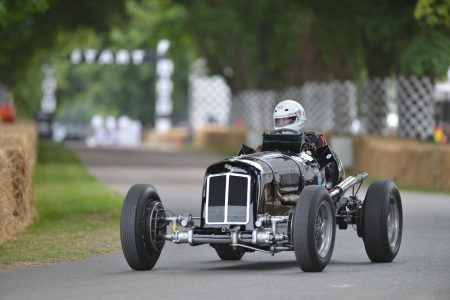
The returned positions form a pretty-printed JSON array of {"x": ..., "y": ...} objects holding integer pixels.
[
  {"x": 314, "y": 229},
  {"x": 226, "y": 252},
  {"x": 382, "y": 219},
  {"x": 142, "y": 227}
]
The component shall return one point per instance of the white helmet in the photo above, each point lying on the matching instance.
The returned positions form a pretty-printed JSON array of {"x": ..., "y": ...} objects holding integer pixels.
[{"x": 289, "y": 114}]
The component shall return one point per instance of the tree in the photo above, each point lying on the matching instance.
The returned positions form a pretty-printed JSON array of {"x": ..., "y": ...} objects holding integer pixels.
[
  {"x": 29, "y": 29},
  {"x": 272, "y": 44},
  {"x": 435, "y": 13},
  {"x": 253, "y": 44},
  {"x": 428, "y": 52},
  {"x": 116, "y": 89},
  {"x": 256, "y": 44}
]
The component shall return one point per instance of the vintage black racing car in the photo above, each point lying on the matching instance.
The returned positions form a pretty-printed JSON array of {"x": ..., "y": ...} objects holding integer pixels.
[{"x": 272, "y": 200}]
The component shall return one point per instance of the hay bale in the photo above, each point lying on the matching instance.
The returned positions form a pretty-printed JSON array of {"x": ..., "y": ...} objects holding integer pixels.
[
  {"x": 177, "y": 136},
  {"x": 235, "y": 139},
  {"x": 8, "y": 222},
  {"x": 443, "y": 182},
  {"x": 209, "y": 136},
  {"x": 22, "y": 184},
  {"x": 408, "y": 162},
  {"x": 17, "y": 202},
  {"x": 215, "y": 136},
  {"x": 420, "y": 165},
  {"x": 23, "y": 135},
  {"x": 18, "y": 147}
]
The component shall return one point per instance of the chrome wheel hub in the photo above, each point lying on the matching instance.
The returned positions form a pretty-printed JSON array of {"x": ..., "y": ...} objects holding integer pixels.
[
  {"x": 323, "y": 229},
  {"x": 393, "y": 222}
]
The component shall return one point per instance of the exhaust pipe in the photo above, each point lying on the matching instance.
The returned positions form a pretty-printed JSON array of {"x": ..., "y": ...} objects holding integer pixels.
[{"x": 343, "y": 186}]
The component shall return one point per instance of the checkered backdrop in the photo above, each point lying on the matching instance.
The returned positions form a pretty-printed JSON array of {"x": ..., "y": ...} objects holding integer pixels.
[{"x": 404, "y": 106}]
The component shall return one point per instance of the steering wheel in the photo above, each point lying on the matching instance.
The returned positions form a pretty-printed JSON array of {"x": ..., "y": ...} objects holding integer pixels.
[{"x": 281, "y": 130}]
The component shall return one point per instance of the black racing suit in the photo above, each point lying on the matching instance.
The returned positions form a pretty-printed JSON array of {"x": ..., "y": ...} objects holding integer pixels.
[
  {"x": 317, "y": 147},
  {"x": 314, "y": 142}
]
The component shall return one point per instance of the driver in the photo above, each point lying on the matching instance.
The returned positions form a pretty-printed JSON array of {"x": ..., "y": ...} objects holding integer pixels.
[{"x": 290, "y": 115}]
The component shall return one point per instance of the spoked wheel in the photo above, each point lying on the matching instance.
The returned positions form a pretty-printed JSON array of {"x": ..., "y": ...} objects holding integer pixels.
[
  {"x": 314, "y": 229},
  {"x": 226, "y": 252},
  {"x": 142, "y": 227},
  {"x": 382, "y": 221}
]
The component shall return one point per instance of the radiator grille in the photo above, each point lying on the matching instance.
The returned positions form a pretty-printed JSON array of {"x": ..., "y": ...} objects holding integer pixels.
[{"x": 227, "y": 199}]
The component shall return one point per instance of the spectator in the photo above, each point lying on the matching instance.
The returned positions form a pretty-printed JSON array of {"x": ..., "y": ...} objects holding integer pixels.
[{"x": 440, "y": 134}]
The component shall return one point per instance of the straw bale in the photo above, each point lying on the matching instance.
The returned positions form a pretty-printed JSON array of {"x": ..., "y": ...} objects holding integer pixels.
[
  {"x": 175, "y": 136},
  {"x": 23, "y": 134},
  {"x": 444, "y": 169},
  {"x": 8, "y": 222},
  {"x": 16, "y": 197},
  {"x": 18, "y": 146},
  {"x": 408, "y": 162},
  {"x": 219, "y": 137},
  {"x": 22, "y": 183}
]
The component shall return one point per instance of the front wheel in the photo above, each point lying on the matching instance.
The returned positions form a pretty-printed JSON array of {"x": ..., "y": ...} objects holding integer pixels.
[
  {"x": 314, "y": 229},
  {"x": 142, "y": 227},
  {"x": 382, "y": 219}
]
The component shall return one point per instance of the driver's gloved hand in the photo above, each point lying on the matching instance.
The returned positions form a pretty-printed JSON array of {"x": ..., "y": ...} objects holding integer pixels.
[{"x": 309, "y": 149}]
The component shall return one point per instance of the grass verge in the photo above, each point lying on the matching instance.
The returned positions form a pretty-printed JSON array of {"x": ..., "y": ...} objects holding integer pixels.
[{"x": 77, "y": 215}]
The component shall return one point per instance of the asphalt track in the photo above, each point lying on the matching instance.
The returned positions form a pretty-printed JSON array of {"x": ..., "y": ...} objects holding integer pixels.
[{"x": 420, "y": 271}]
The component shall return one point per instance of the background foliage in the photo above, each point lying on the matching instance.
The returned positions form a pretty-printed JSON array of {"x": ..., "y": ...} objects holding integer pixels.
[{"x": 257, "y": 44}]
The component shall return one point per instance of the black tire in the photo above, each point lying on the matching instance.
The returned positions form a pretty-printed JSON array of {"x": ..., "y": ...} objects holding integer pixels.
[
  {"x": 313, "y": 252},
  {"x": 226, "y": 252},
  {"x": 141, "y": 228},
  {"x": 382, "y": 219}
]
